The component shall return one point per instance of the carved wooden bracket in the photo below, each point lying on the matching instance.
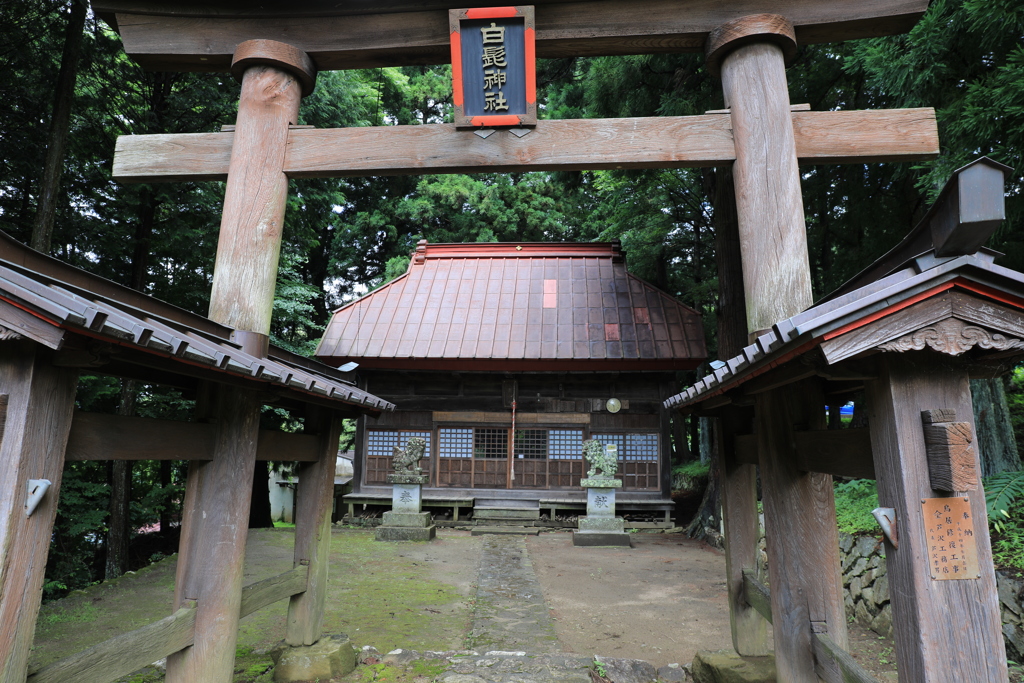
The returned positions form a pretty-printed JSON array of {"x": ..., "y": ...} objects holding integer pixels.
[
  {"x": 953, "y": 337},
  {"x": 949, "y": 450}
]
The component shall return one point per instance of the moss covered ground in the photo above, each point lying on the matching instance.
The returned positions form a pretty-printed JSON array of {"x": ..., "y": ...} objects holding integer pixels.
[{"x": 376, "y": 594}]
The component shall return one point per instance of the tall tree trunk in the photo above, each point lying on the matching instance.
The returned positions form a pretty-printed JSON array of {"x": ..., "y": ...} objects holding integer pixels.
[
  {"x": 119, "y": 529},
  {"x": 997, "y": 447},
  {"x": 42, "y": 228},
  {"x": 259, "y": 510}
]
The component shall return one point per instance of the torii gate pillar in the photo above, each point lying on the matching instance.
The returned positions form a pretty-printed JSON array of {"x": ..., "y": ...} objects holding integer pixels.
[
  {"x": 274, "y": 78},
  {"x": 750, "y": 54}
]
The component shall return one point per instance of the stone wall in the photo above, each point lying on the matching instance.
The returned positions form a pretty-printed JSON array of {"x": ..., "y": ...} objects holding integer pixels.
[{"x": 867, "y": 591}]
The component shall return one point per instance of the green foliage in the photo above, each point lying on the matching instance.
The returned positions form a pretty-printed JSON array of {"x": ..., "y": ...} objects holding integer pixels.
[
  {"x": 1001, "y": 491},
  {"x": 855, "y": 500},
  {"x": 1008, "y": 537},
  {"x": 1015, "y": 404},
  {"x": 693, "y": 469}
]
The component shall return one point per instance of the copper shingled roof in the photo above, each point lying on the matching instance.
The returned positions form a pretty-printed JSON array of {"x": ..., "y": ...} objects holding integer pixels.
[{"x": 506, "y": 306}]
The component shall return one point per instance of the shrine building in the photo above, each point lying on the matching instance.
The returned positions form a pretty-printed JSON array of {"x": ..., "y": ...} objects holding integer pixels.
[{"x": 505, "y": 358}]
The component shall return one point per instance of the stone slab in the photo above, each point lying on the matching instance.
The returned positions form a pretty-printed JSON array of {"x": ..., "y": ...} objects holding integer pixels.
[
  {"x": 400, "y": 478},
  {"x": 614, "y": 525},
  {"x": 414, "y": 519},
  {"x": 725, "y": 666},
  {"x": 406, "y": 497},
  {"x": 330, "y": 657},
  {"x": 601, "y": 538},
  {"x": 598, "y": 483},
  {"x": 600, "y": 502},
  {"x": 405, "y": 533},
  {"x": 507, "y": 530},
  {"x": 506, "y": 513}
]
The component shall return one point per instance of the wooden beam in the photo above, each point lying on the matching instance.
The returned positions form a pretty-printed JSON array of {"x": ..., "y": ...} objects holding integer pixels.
[
  {"x": 36, "y": 401},
  {"x": 839, "y": 452},
  {"x": 402, "y": 34},
  {"x": 123, "y": 654},
  {"x": 654, "y": 142},
  {"x": 97, "y": 436},
  {"x": 833, "y": 664},
  {"x": 128, "y": 652},
  {"x": 757, "y": 594}
]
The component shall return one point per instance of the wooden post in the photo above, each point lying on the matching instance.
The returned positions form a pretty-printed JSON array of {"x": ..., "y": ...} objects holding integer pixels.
[
  {"x": 750, "y": 53},
  {"x": 218, "y": 493},
  {"x": 212, "y": 547},
  {"x": 36, "y": 403},
  {"x": 315, "y": 493},
  {"x": 274, "y": 78},
  {"x": 739, "y": 482},
  {"x": 800, "y": 529},
  {"x": 742, "y": 531},
  {"x": 945, "y": 630}
]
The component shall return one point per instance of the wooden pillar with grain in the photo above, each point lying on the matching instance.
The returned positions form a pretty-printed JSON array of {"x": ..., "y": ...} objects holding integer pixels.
[
  {"x": 36, "y": 404},
  {"x": 739, "y": 481},
  {"x": 314, "y": 495},
  {"x": 218, "y": 493},
  {"x": 946, "y": 630},
  {"x": 750, "y": 54},
  {"x": 801, "y": 532},
  {"x": 742, "y": 531}
]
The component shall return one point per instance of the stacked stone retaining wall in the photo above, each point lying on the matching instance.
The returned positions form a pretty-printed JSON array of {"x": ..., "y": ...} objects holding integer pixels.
[{"x": 867, "y": 591}]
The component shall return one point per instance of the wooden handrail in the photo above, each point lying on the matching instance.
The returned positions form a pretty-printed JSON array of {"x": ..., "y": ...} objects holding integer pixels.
[
  {"x": 832, "y": 663},
  {"x": 131, "y": 651}
]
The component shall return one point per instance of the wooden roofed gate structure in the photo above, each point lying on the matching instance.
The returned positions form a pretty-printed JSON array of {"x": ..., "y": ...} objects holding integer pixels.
[
  {"x": 504, "y": 358},
  {"x": 275, "y": 49}
]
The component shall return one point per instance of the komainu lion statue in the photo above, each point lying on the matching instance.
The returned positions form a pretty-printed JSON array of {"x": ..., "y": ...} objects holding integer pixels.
[
  {"x": 601, "y": 458},
  {"x": 407, "y": 461}
]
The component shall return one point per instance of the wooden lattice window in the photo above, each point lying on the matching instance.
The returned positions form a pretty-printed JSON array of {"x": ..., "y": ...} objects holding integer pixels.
[
  {"x": 531, "y": 444},
  {"x": 490, "y": 443},
  {"x": 565, "y": 444},
  {"x": 379, "y": 445}
]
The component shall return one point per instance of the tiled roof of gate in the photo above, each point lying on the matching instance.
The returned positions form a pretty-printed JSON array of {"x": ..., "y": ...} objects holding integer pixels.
[
  {"x": 46, "y": 306},
  {"x": 516, "y": 306}
]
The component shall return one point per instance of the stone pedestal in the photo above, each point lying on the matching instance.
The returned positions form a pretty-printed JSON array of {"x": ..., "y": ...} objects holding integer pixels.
[
  {"x": 601, "y": 526},
  {"x": 406, "y": 521},
  {"x": 329, "y": 658}
]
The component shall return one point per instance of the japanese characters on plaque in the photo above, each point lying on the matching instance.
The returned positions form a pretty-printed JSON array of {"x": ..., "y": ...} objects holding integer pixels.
[
  {"x": 493, "y": 67},
  {"x": 952, "y": 550}
]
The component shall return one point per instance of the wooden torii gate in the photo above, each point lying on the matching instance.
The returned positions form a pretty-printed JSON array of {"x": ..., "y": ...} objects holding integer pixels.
[{"x": 275, "y": 51}]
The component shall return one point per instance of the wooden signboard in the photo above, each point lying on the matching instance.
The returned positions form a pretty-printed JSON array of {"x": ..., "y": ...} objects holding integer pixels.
[
  {"x": 493, "y": 67},
  {"x": 952, "y": 550}
]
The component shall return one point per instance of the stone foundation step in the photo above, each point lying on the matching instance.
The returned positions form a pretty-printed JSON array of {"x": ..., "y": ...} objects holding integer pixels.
[
  {"x": 506, "y": 503},
  {"x": 495, "y": 513},
  {"x": 508, "y": 530}
]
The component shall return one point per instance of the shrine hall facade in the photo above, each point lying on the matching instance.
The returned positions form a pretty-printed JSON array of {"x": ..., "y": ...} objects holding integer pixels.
[{"x": 505, "y": 357}]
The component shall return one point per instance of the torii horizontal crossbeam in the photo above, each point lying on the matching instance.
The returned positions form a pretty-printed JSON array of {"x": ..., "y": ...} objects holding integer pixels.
[
  {"x": 583, "y": 144},
  {"x": 192, "y": 36}
]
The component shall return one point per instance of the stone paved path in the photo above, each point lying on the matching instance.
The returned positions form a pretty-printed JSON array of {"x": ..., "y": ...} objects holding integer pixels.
[{"x": 510, "y": 613}]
